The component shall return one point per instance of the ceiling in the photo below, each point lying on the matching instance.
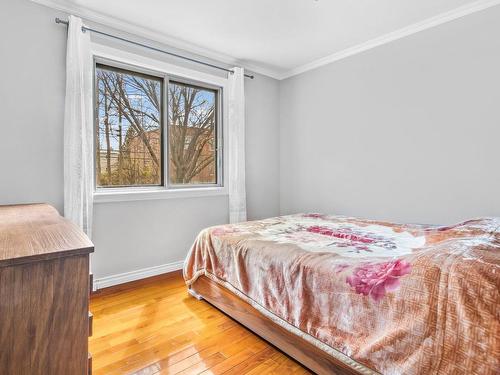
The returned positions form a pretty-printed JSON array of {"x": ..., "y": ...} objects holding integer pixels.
[{"x": 275, "y": 37}]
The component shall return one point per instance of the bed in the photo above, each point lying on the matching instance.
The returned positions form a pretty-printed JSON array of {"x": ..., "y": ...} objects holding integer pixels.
[{"x": 354, "y": 296}]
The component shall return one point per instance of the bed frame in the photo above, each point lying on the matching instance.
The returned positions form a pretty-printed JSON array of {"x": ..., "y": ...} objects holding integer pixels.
[{"x": 296, "y": 347}]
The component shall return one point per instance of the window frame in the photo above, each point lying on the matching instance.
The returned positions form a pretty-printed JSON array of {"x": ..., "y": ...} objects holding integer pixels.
[{"x": 120, "y": 59}]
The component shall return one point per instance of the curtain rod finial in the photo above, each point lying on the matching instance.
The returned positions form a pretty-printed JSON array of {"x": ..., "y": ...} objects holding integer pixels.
[{"x": 58, "y": 20}]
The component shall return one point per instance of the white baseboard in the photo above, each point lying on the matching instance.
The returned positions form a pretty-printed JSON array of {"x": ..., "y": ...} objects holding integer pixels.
[{"x": 125, "y": 277}]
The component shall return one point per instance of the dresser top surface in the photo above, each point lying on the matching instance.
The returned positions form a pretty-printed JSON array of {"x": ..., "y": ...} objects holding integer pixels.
[{"x": 35, "y": 232}]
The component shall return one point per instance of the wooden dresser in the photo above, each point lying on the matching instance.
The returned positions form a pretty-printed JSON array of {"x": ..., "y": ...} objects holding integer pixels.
[{"x": 44, "y": 293}]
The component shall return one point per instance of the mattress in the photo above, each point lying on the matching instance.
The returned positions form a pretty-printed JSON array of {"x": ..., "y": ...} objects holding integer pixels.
[{"x": 381, "y": 297}]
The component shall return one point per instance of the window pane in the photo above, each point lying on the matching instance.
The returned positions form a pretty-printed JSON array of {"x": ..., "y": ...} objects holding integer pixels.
[
  {"x": 192, "y": 134},
  {"x": 129, "y": 131}
]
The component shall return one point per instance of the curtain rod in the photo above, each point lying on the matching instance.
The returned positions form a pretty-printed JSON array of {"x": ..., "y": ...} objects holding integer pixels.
[{"x": 84, "y": 29}]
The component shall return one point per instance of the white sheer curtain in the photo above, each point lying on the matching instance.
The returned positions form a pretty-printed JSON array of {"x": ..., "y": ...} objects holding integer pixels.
[
  {"x": 236, "y": 152},
  {"x": 78, "y": 125}
]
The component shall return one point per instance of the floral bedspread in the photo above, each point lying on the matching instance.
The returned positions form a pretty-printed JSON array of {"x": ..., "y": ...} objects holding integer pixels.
[{"x": 383, "y": 298}]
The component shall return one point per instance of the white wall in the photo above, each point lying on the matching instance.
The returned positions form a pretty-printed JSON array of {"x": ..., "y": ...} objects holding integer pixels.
[
  {"x": 127, "y": 235},
  {"x": 262, "y": 147},
  {"x": 32, "y": 104},
  {"x": 408, "y": 131}
]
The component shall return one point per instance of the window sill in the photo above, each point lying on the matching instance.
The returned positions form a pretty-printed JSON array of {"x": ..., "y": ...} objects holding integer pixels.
[{"x": 124, "y": 195}]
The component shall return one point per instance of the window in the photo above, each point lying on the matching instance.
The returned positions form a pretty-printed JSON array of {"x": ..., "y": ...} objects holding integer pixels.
[
  {"x": 192, "y": 134},
  {"x": 131, "y": 129}
]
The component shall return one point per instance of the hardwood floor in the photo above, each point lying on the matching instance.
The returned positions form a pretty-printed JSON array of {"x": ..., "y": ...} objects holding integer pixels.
[{"x": 154, "y": 326}]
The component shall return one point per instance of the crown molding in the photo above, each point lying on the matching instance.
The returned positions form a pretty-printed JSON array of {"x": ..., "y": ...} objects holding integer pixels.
[
  {"x": 394, "y": 35},
  {"x": 131, "y": 28}
]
